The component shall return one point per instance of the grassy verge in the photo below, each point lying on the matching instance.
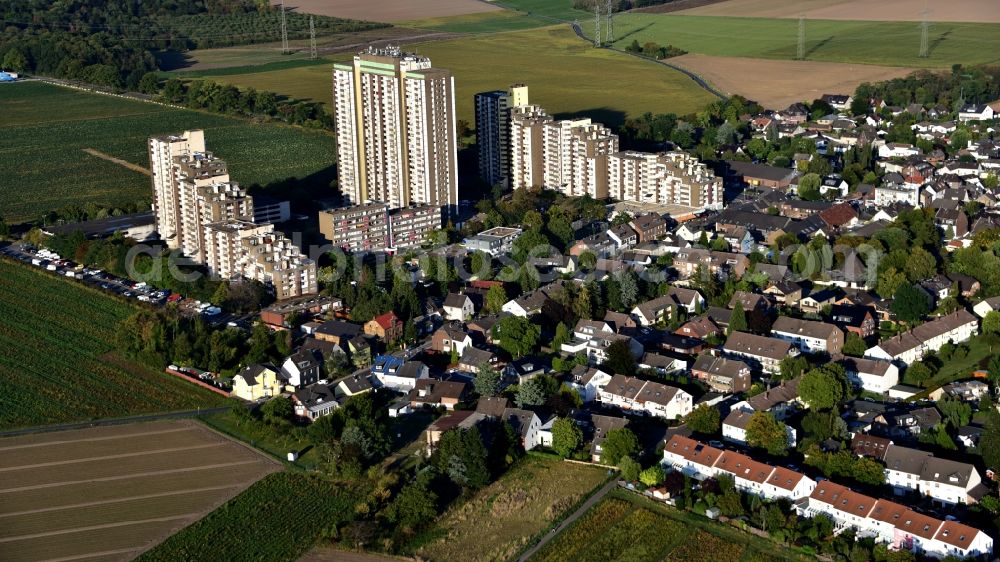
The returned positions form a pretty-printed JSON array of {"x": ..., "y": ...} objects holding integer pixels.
[{"x": 264, "y": 437}]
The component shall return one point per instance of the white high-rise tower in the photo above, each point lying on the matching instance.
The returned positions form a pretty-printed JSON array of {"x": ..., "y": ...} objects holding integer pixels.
[{"x": 395, "y": 119}]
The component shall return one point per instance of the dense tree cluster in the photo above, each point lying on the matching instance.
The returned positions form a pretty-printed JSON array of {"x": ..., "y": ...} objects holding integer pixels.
[
  {"x": 112, "y": 43},
  {"x": 226, "y": 98},
  {"x": 949, "y": 89}
]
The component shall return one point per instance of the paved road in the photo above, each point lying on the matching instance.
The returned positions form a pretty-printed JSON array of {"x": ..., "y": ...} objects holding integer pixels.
[
  {"x": 112, "y": 421},
  {"x": 591, "y": 502}
]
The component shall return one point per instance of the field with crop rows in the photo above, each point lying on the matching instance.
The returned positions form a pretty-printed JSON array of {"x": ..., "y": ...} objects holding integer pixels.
[
  {"x": 276, "y": 519},
  {"x": 59, "y": 364},
  {"x": 616, "y": 529},
  {"x": 502, "y": 517},
  {"x": 45, "y": 129},
  {"x": 108, "y": 493}
]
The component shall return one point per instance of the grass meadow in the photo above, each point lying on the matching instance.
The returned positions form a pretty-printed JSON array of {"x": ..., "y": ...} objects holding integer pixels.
[
  {"x": 863, "y": 42},
  {"x": 627, "y": 527},
  {"x": 564, "y": 74},
  {"x": 45, "y": 129},
  {"x": 501, "y": 518}
]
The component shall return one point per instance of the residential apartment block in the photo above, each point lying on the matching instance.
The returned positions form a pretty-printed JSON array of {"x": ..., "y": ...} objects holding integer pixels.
[
  {"x": 579, "y": 157},
  {"x": 211, "y": 219},
  {"x": 174, "y": 159},
  {"x": 375, "y": 227},
  {"x": 493, "y": 132},
  {"x": 668, "y": 178},
  {"x": 395, "y": 120}
]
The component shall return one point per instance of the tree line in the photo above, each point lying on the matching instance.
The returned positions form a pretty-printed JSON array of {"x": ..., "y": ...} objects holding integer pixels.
[{"x": 113, "y": 44}]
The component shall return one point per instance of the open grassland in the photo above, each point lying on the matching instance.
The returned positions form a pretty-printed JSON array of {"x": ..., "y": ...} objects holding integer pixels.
[
  {"x": 45, "y": 129},
  {"x": 276, "y": 519},
  {"x": 564, "y": 74},
  {"x": 621, "y": 528},
  {"x": 59, "y": 363},
  {"x": 108, "y": 493},
  {"x": 490, "y": 22},
  {"x": 776, "y": 83},
  {"x": 863, "y": 42},
  {"x": 984, "y": 11},
  {"x": 501, "y": 518},
  {"x": 389, "y": 10}
]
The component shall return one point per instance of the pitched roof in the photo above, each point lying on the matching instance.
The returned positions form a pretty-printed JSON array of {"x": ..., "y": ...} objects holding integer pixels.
[
  {"x": 720, "y": 366},
  {"x": 386, "y": 320},
  {"x": 758, "y": 346},
  {"x": 785, "y": 478},
  {"x": 806, "y": 328},
  {"x": 870, "y": 445},
  {"x": 914, "y": 338},
  {"x": 843, "y": 498},
  {"x": 738, "y": 418},
  {"x": 784, "y": 392},
  {"x": 744, "y": 467},
  {"x": 455, "y": 300}
]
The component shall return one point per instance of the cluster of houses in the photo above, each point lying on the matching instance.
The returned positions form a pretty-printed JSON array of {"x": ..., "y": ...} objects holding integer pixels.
[
  {"x": 886, "y": 521},
  {"x": 688, "y": 352}
]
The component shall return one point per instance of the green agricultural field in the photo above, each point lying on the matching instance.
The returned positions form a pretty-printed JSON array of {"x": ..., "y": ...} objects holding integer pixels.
[
  {"x": 564, "y": 74},
  {"x": 276, "y": 519},
  {"x": 631, "y": 528},
  {"x": 865, "y": 42},
  {"x": 555, "y": 9},
  {"x": 59, "y": 363},
  {"x": 45, "y": 129}
]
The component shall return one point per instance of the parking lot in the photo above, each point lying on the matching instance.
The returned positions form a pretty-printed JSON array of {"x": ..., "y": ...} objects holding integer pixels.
[{"x": 121, "y": 286}]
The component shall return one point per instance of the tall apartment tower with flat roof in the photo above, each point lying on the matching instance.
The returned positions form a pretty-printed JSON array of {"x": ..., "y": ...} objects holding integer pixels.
[
  {"x": 493, "y": 121},
  {"x": 172, "y": 159},
  {"x": 395, "y": 119}
]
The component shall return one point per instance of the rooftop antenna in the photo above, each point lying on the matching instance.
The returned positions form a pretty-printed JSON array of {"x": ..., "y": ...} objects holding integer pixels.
[
  {"x": 802, "y": 38},
  {"x": 284, "y": 30},
  {"x": 312, "y": 38},
  {"x": 597, "y": 23},
  {"x": 925, "y": 26},
  {"x": 611, "y": 25}
]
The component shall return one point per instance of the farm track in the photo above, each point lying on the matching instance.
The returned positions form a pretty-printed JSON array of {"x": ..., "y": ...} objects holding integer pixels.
[{"x": 119, "y": 161}]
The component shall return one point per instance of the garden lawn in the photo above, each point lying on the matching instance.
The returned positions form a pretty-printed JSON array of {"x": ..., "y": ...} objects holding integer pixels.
[
  {"x": 865, "y": 42},
  {"x": 59, "y": 363},
  {"x": 45, "y": 129},
  {"x": 501, "y": 518}
]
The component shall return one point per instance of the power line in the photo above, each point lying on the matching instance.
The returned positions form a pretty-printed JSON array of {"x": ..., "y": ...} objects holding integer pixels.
[
  {"x": 312, "y": 38},
  {"x": 597, "y": 23},
  {"x": 610, "y": 26},
  {"x": 801, "y": 55},
  {"x": 284, "y": 30},
  {"x": 925, "y": 26}
]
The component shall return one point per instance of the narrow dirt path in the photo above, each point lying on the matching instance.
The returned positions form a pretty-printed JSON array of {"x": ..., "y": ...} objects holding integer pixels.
[{"x": 119, "y": 161}]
